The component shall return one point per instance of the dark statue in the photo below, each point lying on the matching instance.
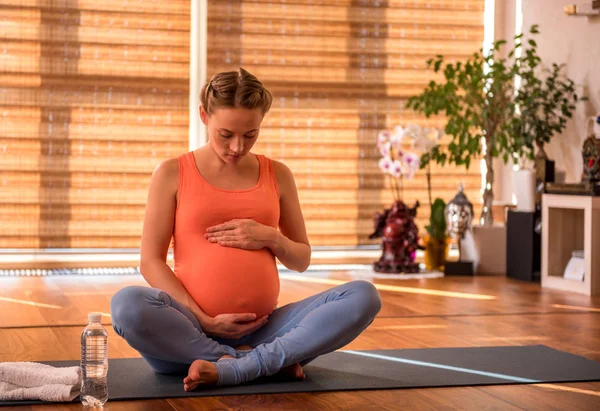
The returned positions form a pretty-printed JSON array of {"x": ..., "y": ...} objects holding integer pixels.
[
  {"x": 400, "y": 239},
  {"x": 591, "y": 160},
  {"x": 590, "y": 176}
]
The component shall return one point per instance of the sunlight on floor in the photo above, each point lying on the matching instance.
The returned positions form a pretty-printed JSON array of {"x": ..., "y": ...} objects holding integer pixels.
[{"x": 395, "y": 288}]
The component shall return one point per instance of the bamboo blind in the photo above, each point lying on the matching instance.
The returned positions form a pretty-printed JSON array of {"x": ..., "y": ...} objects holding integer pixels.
[
  {"x": 93, "y": 94},
  {"x": 340, "y": 72}
]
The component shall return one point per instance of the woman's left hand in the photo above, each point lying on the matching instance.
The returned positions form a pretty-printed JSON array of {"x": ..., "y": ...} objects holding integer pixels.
[{"x": 246, "y": 234}]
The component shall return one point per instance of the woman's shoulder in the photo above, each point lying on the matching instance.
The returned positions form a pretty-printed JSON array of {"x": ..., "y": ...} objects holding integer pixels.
[
  {"x": 168, "y": 167},
  {"x": 166, "y": 173},
  {"x": 280, "y": 169},
  {"x": 284, "y": 176},
  {"x": 278, "y": 166}
]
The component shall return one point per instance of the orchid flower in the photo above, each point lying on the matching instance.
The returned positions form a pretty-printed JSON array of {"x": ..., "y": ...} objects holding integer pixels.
[
  {"x": 385, "y": 164},
  {"x": 424, "y": 144},
  {"x": 397, "y": 138},
  {"x": 396, "y": 169},
  {"x": 383, "y": 137},
  {"x": 412, "y": 164},
  {"x": 385, "y": 149},
  {"x": 397, "y": 163}
]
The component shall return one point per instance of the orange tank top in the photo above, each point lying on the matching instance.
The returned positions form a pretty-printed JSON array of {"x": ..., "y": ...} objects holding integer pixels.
[{"x": 223, "y": 279}]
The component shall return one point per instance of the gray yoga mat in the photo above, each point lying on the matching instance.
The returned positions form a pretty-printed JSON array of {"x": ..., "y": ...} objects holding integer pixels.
[{"x": 131, "y": 379}]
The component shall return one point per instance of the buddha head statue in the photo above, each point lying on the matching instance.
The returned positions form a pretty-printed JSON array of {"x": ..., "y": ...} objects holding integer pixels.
[{"x": 459, "y": 214}]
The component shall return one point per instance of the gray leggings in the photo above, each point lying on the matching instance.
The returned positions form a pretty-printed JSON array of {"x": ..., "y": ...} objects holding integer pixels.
[{"x": 169, "y": 337}]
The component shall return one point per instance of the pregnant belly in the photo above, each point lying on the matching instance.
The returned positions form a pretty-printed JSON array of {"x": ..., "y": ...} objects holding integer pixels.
[{"x": 231, "y": 280}]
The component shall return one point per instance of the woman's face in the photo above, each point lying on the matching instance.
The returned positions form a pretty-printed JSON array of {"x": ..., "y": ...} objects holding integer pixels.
[{"x": 232, "y": 131}]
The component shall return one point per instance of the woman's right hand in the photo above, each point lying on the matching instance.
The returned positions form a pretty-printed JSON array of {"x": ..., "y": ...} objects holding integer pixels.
[{"x": 233, "y": 326}]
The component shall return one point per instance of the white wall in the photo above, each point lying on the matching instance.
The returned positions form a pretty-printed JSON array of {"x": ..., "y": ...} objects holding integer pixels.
[{"x": 574, "y": 40}]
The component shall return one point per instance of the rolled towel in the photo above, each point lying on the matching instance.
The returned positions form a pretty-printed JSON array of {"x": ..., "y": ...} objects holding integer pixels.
[
  {"x": 31, "y": 380},
  {"x": 48, "y": 392}
]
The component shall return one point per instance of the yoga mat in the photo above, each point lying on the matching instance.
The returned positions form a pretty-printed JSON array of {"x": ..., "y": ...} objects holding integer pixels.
[{"x": 131, "y": 379}]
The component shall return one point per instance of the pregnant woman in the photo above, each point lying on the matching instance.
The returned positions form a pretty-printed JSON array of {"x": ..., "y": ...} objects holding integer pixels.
[{"x": 230, "y": 213}]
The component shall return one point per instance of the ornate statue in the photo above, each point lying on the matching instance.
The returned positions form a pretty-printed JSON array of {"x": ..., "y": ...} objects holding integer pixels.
[
  {"x": 591, "y": 159},
  {"x": 400, "y": 239},
  {"x": 459, "y": 216},
  {"x": 590, "y": 177}
]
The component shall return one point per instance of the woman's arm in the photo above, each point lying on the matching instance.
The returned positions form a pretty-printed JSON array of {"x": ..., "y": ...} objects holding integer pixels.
[
  {"x": 290, "y": 244},
  {"x": 156, "y": 236}
]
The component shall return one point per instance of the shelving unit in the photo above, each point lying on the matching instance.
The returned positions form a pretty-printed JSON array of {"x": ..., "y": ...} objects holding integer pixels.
[{"x": 570, "y": 222}]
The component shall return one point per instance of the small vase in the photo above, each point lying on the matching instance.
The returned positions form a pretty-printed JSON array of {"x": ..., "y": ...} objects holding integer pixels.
[{"x": 436, "y": 252}]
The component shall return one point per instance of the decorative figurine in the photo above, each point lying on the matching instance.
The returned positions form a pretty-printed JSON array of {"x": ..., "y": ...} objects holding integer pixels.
[
  {"x": 459, "y": 216},
  {"x": 400, "y": 239},
  {"x": 590, "y": 178},
  {"x": 591, "y": 159}
]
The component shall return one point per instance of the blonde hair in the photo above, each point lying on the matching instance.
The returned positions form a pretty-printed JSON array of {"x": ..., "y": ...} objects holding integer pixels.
[{"x": 235, "y": 89}]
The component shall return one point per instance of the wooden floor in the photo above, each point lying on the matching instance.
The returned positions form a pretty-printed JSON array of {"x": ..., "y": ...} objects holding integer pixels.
[{"x": 41, "y": 319}]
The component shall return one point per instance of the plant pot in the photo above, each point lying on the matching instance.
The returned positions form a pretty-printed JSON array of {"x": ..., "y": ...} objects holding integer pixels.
[
  {"x": 436, "y": 252},
  {"x": 524, "y": 189},
  {"x": 490, "y": 246}
]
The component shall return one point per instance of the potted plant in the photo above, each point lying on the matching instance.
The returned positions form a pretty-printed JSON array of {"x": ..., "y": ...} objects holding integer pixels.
[
  {"x": 476, "y": 97},
  {"x": 545, "y": 101},
  {"x": 401, "y": 151},
  {"x": 396, "y": 225},
  {"x": 436, "y": 240}
]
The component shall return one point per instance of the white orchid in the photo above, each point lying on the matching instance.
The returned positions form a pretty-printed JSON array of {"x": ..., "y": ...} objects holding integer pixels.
[
  {"x": 412, "y": 163},
  {"x": 385, "y": 148},
  {"x": 396, "y": 169},
  {"x": 385, "y": 164},
  {"x": 383, "y": 143},
  {"x": 399, "y": 131},
  {"x": 396, "y": 142},
  {"x": 399, "y": 164},
  {"x": 383, "y": 136},
  {"x": 398, "y": 137},
  {"x": 414, "y": 130},
  {"x": 424, "y": 144}
]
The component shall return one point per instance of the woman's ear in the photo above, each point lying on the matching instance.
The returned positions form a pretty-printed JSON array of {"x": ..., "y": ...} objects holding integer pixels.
[{"x": 203, "y": 116}]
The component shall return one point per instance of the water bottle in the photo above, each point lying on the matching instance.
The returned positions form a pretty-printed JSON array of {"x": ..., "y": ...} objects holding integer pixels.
[{"x": 94, "y": 362}]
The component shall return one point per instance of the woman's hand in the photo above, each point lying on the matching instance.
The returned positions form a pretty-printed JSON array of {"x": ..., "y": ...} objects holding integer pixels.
[
  {"x": 246, "y": 234},
  {"x": 233, "y": 326}
]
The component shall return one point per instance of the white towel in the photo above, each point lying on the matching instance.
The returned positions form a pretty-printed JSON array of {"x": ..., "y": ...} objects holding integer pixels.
[{"x": 35, "y": 381}]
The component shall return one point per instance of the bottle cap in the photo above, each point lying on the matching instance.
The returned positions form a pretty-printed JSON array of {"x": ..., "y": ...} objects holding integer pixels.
[{"x": 94, "y": 317}]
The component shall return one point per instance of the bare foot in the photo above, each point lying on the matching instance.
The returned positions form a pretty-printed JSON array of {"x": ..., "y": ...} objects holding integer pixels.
[
  {"x": 291, "y": 372},
  {"x": 201, "y": 372}
]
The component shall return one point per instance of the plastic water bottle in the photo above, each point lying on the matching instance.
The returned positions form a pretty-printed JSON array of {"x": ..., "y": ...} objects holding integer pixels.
[{"x": 94, "y": 362}]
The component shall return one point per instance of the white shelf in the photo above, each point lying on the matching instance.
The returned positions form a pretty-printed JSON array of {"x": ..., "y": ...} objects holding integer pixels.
[{"x": 570, "y": 222}]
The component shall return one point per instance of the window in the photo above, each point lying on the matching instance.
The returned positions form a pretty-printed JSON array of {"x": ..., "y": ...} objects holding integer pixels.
[
  {"x": 340, "y": 72},
  {"x": 93, "y": 95}
]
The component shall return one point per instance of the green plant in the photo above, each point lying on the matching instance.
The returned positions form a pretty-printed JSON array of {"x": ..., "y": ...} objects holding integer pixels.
[
  {"x": 437, "y": 220},
  {"x": 545, "y": 101},
  {"x": 476, "y": 97}
]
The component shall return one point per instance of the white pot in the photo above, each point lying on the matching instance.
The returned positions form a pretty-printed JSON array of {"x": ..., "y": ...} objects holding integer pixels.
[{"x": 524, "y": 189}]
